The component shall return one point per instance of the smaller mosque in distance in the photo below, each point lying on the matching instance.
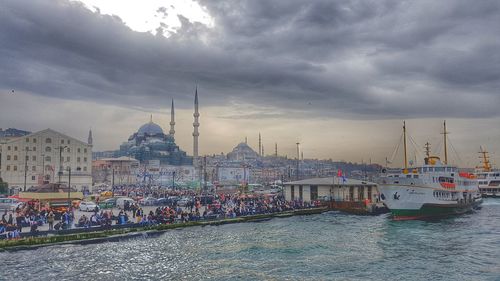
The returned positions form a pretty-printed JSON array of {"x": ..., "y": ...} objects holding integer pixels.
[{"x": 151, "y": 143}]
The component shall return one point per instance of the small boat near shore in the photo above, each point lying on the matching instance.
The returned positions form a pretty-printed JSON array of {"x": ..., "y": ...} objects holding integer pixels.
[{"x": 434, "y": 190}]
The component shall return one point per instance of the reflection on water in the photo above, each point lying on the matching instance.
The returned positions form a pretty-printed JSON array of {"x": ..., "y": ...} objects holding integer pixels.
[{"x": 320, "y": 247}]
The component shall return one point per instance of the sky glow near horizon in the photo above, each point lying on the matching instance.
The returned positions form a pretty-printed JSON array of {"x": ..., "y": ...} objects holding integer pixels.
[{"x": 337, "y": 77}]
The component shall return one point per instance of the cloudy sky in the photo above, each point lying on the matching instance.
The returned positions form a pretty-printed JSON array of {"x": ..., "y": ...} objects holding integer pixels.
[{"x": 337, "y": 76}]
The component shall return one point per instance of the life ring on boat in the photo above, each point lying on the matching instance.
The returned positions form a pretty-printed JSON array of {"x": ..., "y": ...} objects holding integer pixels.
[{"x": 448, "y": 185}]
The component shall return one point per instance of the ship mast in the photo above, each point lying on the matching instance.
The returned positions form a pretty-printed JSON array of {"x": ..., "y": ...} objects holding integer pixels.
[
  {"x": 427, "y": 153},
  {"x": 404, "y": 143},
  {"x": 427, "y": 149},
  {"x": 445, "y": 147},
  {"x": 486, "y": 161}
]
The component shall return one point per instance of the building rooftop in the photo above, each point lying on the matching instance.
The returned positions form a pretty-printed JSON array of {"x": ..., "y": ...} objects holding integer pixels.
[
  {"x": 120, "y": 159},
  {"x": 329, "y": 181}
]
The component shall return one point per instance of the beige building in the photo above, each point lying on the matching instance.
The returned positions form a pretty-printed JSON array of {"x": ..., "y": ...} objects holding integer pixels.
[
  {"x": 120, "y": 171},
  {"x": 337, "y": 189},
  {"x": 38, "y": 158}
]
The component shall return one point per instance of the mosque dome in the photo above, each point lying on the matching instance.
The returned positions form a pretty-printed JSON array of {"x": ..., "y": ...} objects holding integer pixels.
[
  {"x": 242, "y": 152},
  {"x": 243, "y": 147},
  {"x": 150, "y": 128}
]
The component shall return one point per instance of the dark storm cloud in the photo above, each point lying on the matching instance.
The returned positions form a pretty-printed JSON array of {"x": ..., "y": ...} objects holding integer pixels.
[{"x": 357, "y": 59}]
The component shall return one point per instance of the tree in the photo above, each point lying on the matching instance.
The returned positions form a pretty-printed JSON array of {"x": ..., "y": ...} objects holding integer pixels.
[{"x": 4, "y": 187}]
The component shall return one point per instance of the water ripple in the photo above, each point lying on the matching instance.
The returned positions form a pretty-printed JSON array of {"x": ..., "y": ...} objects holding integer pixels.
[{"x": 330, "y": 246}]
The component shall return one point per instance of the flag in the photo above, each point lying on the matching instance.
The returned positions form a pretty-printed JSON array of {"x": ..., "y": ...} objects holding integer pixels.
[
  {"x": 339, "y": 173},
  {"x": 344, "y": 180}
]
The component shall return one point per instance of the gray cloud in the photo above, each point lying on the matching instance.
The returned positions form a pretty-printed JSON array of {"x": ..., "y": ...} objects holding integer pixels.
[{"x": 349, "y": 59}]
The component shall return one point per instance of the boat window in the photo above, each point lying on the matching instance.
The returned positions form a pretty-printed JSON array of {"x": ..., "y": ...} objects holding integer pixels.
[
  {"x": 408, "y": 176},
  {"x": 415, "y": 176},
  {"x": 494, "y": 183}
]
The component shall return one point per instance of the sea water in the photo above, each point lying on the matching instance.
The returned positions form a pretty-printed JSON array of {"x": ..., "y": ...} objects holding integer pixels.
[{"x": 329, "y": 246}]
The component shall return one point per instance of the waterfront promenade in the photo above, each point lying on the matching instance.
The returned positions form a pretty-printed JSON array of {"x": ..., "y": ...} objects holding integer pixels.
[{"x": 144, "y": 216}]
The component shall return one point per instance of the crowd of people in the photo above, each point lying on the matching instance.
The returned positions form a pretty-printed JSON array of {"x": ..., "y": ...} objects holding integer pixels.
[
  {"x": 13, "y": 222},
  {"x": 222, "y": 206},
  {"x": 149, "y": 191}
]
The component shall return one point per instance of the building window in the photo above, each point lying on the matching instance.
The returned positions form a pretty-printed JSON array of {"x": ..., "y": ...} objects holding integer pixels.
[
  {"x": 34, "y": 140},
  {"x": 62, "y": 141},
  {"x": 84, "y": 159},
  {"x": 48, "y": 159},
  {"x": 8, "y": 157},
  {"x": 69, "y": 149},
  {"x": 48, "y": 140},
  {"x": 15, "y": 168},
  {"x": 300, "y": 192},
  {"x": 48, "y": 149},
  {"x": 47, "y": 167},
  {"x": 8, "y": 167},
  {"x": 314, "y": 192},
  {"x": 15, "y": 148},
  {"x": 34, "y": 148},
  {"x": 8, "y": 147},
  {"x": 84, "y": 150},
  {"x": 67, "y": 159},
  {"x": 292, "y": 192},
  {"x": 78, "y": 159},
  {"x": 27, "y": 158},
  {"x": 78, "y": 150},
  {"x": 78, "y": 169},
  {"x": 33, "y": 158},
  {"x": 33, "y": 178},
  {"x": 27, "y": 140},
  {"x": 15, "y": 157},
  {"x": 85, "y": 169},
  {"x": 69, "y": 142},
  {"x": 33, "y": 168}
]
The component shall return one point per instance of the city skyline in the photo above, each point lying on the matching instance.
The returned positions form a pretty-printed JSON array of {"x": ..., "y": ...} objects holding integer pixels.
[{"x": 327, "y": 75}]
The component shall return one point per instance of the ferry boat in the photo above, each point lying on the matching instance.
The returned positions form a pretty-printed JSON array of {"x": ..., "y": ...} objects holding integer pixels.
[
  {"x": 434, "y": 190},
  {"x": 488, "y": 179}
]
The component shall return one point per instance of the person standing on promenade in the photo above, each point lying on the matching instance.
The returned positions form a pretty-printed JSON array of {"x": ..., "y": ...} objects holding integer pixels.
[
  {"x": 19, "y": 222},
  {"x": 134, "y": 210},
  {"x": 50, "y": 220}
]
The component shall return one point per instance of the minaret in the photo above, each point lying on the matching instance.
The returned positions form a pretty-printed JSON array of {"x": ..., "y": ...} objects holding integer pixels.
[
  {"x": 276, "y": 149},
  {"x": 172, "y": 120},
  {"x": 260, "y": 146},
  {"x": 196, "y": 124},
  {"x": 90, "y": 140}
]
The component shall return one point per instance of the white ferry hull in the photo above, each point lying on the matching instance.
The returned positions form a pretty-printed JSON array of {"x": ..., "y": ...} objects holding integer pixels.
[{"x": 415, "y": 202}]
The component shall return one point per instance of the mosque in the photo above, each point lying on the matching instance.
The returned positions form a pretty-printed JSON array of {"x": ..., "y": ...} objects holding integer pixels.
[{"x": 151, "y": 143}]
